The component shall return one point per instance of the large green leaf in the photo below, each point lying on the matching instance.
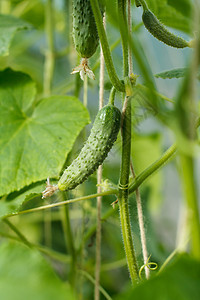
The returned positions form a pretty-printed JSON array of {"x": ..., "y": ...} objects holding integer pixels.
[
  {"x": 9, "y": 25},
  {"x": 171, "y": 16},
  {"x": 179, "y": 281},
  {"x": 24, "y": 274},
  {"x": 35, "y": 137}
]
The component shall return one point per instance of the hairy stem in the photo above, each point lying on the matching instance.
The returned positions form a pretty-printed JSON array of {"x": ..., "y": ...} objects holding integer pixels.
[
  {"x": 152, "y": 168},
  {"x": 137, "y": 191},
  {"x": 105, "y": 47},
  {"x": 124, "y": 192},
  {"x": 122, "y": 21}
]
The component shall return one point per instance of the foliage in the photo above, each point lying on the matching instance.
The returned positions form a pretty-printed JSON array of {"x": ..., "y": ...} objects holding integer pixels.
[{"x": 50, "y": 247}]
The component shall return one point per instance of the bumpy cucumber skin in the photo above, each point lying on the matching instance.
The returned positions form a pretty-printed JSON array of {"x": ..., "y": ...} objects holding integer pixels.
[
  {"x": 154, "y": 26},
  {"x": 85, "y": 33},
  {"x": 101, "y": 139}
]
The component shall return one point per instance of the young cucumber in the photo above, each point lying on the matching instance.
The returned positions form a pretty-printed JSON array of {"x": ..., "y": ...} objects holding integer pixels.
[
  {"x": 102, "y": 137},
  {"x": 157, "y": 29},
  {"x": 85, "y": 33}
]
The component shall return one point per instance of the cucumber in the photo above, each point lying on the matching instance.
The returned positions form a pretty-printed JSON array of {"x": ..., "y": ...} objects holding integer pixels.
[
  {"x": 101, "y": 139},
  {"x": 85, "y": 33},
  {"x": 159, "y": 31}
]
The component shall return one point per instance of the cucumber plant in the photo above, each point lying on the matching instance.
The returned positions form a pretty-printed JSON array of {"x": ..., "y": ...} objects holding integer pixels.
[{"x": 180, "y": 116}]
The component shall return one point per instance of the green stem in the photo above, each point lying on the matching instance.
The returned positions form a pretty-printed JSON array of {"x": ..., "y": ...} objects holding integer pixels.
[
  {"x": 69, "y": 241},
  {"x": 124, "y": 193},
  {"x": 187, "y": 164},
  {"x": 112, "y": 96},
  {"x": 91, "y": 279},
  {"x": 51, "y": 253},
  {"x": 122, "y": 21},
  {"x": 19, "y": 234},
  {"x": 105, "y": 47},
  {"x": 49, "y": 56},
  {"x": 112, "y": 47},
  {"x": 152, "y": 168}
]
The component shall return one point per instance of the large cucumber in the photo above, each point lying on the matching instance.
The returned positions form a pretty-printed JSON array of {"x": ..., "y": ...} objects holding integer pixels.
[
  {"x": 85, "y": 33},
  {"x": 159, "y": 31},
  {"x": 101, "y": 139}
]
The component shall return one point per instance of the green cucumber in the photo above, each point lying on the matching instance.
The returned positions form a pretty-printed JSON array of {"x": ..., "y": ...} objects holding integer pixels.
[
  {"x": 101, "y": 139},
  {"x": 159, "y": 31},
  {"x": 85, "y": 33}
]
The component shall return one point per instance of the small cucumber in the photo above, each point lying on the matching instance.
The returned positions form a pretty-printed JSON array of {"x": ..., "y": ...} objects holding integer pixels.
[
  {"x": 159, "y": 31},
  {"x": 85, "y": 33},
  {"x": 101, "y": 139}
]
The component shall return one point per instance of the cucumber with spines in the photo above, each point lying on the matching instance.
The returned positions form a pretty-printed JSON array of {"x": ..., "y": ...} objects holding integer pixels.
[
  {"x": 85, "y": 33},
  {"x": 100, "y": 141},
  {"x": 159, "y": 31}
]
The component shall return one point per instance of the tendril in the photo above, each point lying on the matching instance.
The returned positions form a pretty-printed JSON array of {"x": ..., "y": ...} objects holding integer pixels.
[{"x": 150, "y": 265}]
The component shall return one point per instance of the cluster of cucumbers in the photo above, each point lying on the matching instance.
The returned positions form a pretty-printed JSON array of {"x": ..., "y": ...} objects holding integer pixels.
[{"x": 107, "y": 123}]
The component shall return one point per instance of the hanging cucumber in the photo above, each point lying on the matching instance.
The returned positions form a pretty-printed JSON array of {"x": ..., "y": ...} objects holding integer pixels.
[
  {"x": 102, "y": 137},
  {"x": 100, "y": 141},
  {"x": 85, "y": 35},
  {"x": 159, "y": 31}
]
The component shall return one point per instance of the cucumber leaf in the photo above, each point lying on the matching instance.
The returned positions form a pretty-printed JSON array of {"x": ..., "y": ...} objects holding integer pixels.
[
  {"x": 181, "y": 280},
  {"x": 9, "y": 25},
  {"x": 175, "y": 73},
  {"x": 25, "y": 274},
  {"x": 35, "y": 137}
]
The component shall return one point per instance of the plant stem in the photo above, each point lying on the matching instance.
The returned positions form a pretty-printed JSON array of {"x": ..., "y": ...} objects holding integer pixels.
[
  {"x": 188, "y": 111},
  {"x": 124, "y": 192},
  {"x": 91, "y": 279},
  {"x": 152, "y": 168},
  {"x": 187, "y": 164},
  {"x": 99, "y": 178},
  {"x": 69, "y": 240},
  {"x": 105, "y": 47},
  {"x": 85, "y": 91},
  {"x": 19, "y": 234},
  {"x": 130, "y": 62},
  {"x": 137, "y": 191},
  {"x": 51, "y": 253},
  {"x": 49, "y": 55},
  {"x": 122, "y": 21},
  {"x": 141, "y": 226},
  {"x": 112, "y": 96}
]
